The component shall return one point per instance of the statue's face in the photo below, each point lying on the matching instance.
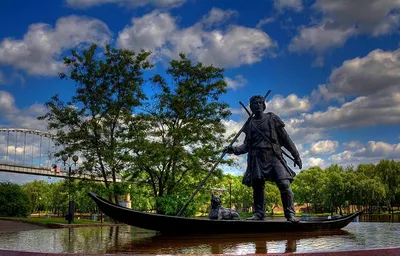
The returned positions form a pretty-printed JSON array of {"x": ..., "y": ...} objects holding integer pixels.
[{"x": 257, "y": 105}]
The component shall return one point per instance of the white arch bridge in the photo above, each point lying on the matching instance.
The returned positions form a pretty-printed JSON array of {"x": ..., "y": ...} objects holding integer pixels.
[{"x": 32, "y": 152}]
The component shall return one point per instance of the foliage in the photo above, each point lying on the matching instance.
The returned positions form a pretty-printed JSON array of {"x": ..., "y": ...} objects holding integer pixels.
[
  {"x": 14, "y": 202},
  {"x": 369, "y": 186},
  {"x": 180, "y": 135},
  {"x": 95, "y": 120},
  {"x": 38, "y": 192}
]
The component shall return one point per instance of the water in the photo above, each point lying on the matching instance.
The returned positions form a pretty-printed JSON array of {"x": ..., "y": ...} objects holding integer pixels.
[{"x": 126, "y": 239}]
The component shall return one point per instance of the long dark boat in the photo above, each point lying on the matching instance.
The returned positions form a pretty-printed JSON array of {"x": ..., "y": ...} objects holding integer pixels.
[{"x": 182, "y": 225}]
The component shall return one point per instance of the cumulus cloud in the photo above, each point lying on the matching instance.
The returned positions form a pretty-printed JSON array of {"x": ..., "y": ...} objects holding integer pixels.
[
  {"x": 39, "y": 51},
  {"x": 372, "y": 82},
  {"x": 319, "y": 39},
  {"x": 82, "y": 4},
  {"x": 295, "y": 5},
  {"x": 352, "y": 144},
  {"x": 372, "y": 152},
  {"x": 378, "y": 71},
  {"x": 232, "y": 47},
  {"x": 339, "y": 22},
  {"x": 265, "y": 21},
  {"x": 290, "y": 105},
  {"x": 11, "y": 115},
  {"x": 236, "y": 82},
  {"x": 217, "y": 16},
  {"x": 324, "y": 147},
  {"x": 314, "y": 161}
]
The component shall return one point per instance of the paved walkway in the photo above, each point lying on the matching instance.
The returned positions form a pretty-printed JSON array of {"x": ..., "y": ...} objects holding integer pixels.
[{"x": 14, "y": 226}]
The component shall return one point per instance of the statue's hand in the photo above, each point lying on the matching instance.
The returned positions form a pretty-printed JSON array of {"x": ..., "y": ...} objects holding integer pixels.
[
  {"x": 297, "y": 161},
  {"x": 229, "y": 150}
]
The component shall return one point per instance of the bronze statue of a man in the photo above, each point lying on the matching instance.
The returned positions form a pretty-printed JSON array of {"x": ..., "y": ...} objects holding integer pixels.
[{"x": 265, "y": 135}]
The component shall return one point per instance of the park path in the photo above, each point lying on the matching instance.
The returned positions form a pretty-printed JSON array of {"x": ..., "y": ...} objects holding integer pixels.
[{"x": 14, "y": 226}]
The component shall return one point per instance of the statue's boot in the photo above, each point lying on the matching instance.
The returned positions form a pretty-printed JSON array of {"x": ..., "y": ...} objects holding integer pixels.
[
  {"x": 288, "y": 205},
  {"x": 255, "y": 217}
]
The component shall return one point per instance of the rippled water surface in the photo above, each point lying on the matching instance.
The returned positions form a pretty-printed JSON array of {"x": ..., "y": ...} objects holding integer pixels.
[{"x": 123, "y": 239}]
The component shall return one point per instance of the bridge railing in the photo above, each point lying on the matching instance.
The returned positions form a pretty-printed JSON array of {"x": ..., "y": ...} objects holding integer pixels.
[{"x": 32, "y": 152}]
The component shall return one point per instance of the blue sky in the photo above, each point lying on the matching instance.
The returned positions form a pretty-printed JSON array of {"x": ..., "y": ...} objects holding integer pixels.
[{"x": 333, "y": 66}]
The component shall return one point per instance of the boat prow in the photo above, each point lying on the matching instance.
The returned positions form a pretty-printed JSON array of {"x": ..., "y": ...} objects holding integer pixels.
[{"x": 183, "y": 225}]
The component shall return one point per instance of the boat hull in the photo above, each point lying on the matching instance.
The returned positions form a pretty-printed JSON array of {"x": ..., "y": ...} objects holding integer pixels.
[{"x": 181, "y": 225}]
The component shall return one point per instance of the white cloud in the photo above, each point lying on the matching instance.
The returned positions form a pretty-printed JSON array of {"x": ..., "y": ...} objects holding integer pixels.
[
  {"x": 314, "y": 161},
  {"x": 290, "y": 105},
  {"x": 149, "y": 32},
  {"x": 363, "y": 111},
  {"x": 301, "y": 134},
  {"x": 324, "y": 147},
  {"x": 318, "y": 38},
  {"x": 217, "y": 16},
  {"x": 343, "y": 157},
  {"x": 295, "y": 5},
  {"x": 352, "y": 144},
  {"x": 20, "y": 118},
  {"x": 372, "y": 152},
  {"x": 232, "y": 47},
  {"x": 265, "y": 21},
  {"x": 379, "y": 149},
  {"x": 374, "y": 17},
  {"x": 237, "y": 82},
  {"x": 378, "y": 71},
  {"x": 374, "y": 82},
  {"x": 39, "y": 51},
  {"x": 82, "y": 4},
  {"x": 339, "y": 22}
]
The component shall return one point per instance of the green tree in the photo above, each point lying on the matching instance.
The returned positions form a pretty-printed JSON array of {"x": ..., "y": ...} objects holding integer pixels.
[
  {"x": 14, "y": 202},
  {"x": 58, "y": 199},
  {"x": 272, "y": 197},
  {"x": 389, "y": 173},
  {"x": 95, "y": 120},
  {"x": 308, "y": 187},
  {"x": 180, "y": 136},
  {"x": 38, "y": 192},
  {"x": 334, "y": 190}
]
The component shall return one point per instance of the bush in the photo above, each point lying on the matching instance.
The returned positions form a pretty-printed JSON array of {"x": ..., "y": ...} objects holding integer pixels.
[{"x": 14, "y": 202}]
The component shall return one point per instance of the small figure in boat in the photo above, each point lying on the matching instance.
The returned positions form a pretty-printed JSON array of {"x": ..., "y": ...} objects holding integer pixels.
[
  {"x": 219, "y": 212},
  {"x": 265, "y": 135}
]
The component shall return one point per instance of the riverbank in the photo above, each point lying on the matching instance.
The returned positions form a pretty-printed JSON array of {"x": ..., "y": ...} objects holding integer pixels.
[{"x": 55, "y": 222}]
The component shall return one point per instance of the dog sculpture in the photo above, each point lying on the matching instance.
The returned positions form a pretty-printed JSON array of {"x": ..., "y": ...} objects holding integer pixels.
[{"x": 219, "y": 212}]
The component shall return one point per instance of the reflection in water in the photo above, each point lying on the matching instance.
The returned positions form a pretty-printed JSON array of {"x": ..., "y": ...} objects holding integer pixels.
[
  {"x": 124, "y": 239},
  {"x": 225, "y": 243}
]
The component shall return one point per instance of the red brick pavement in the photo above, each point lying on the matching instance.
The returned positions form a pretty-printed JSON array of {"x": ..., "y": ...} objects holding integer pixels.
[{"x": 375, "y": 252}]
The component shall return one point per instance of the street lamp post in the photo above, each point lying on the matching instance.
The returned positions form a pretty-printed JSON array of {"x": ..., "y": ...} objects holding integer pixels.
[
  {"x": 71, "y": 204},
  {"x": 230, "y": 193}
]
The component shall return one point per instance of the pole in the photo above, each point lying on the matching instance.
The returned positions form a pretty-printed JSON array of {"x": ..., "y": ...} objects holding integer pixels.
[
  {"x": 218, "y": 161},
  {"x": 69, "y": 196}
]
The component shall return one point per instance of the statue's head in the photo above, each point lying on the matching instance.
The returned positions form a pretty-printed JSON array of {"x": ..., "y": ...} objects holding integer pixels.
[
  {"x": 215, "y": 201},
  {"x": 255, "y": 101}
]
